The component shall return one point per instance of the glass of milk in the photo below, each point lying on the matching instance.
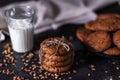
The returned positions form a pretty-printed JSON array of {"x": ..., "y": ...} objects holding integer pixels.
[{"x": 20, "y": 24}]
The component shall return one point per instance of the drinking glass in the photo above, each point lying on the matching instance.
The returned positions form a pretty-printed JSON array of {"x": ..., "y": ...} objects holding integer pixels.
[{"x": 20, "y": 24}]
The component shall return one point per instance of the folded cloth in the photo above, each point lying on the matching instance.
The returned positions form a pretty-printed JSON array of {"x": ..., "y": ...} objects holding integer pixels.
[
  {"x": 2, "y": 37},
  {"x": 50, "y": 14}
]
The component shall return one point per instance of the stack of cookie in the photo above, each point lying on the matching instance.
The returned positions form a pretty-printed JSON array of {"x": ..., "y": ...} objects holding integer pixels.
[
  {"x": 102, "y": 35},
  {"x": 56, "y": 55}
]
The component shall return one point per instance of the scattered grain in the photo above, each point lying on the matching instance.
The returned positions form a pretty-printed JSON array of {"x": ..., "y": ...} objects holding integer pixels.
[
  {"x": 70, "y": 78},
  {"x": 74, "y": 71},
  {"x": 1, "y": 64},
  {"x": 113, "y": 62},
  {"x": 117, "y": 68},
  {"x": 93, "y": 69},
  {"x": 111, "y": 78},
  {"x": 106, "y": 71},
  {"x": 89, "y": 74},
  {"x": 119, "y": 76}
]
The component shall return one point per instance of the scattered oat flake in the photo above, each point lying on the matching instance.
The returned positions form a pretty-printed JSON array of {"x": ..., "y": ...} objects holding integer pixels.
[
  {"x": 113, "y": 62},
  {"x": 1, "y": 64},
  {"x": 106, "y": 71},
  {"x": 70, "y": 78},
  {"x": 74, "y": 71},
  {"x": 117, "y": 68},
  {"x": 89, "y": 74},
  {"x": 92, "y": 66},
  {"x": 93, "y": 69},
  {"x": 59, "y": 79},
  {"x": 111, "y": 78},
  {"x": 119, "y": 76}
]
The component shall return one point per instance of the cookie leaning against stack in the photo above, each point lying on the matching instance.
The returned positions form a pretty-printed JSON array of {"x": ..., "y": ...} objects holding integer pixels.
[
  {"x": 56, "y": 55},
  {"x": 102, "y": 35}
]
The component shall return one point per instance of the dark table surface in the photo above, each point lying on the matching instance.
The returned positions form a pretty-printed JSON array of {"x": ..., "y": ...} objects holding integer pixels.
[{"x": 87, "y": 66}]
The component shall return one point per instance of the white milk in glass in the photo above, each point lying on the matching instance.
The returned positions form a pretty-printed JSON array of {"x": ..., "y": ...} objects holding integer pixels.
[{"x": 21, "y": 33}]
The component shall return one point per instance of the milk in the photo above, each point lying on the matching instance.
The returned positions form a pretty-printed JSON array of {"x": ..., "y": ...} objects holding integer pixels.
[
  {"x": 21, "y": 34},
  {"x": 20, "y": 24}
]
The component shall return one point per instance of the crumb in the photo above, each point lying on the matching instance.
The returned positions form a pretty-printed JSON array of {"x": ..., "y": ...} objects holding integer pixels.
[
  {"x": 59, "y": 79},
  {"x": 23, "y": 55},
  {"x": 117, "y": 68},
  {"x": 119, "y": 76},
  {"x": 18, "y": 78},
  {"x": 74, "y": 71},
  {"x": 106, "y": 71},
  {"x": 92, "y": 67},
  {"x": 111, "y": 78},
  {"x": 7, "y": 72},
  {"x": 30, "y": 55},
  {"x": 70, "y": 78},
  {"x": 1, "y": 64},
  {"x": 56, "y": 76},
  {"x": 89, "y": 74},
  {"x": 113, "y": 62}
]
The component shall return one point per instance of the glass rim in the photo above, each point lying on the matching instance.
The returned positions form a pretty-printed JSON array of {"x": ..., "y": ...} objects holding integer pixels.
[{"x": 24, "y": 7}]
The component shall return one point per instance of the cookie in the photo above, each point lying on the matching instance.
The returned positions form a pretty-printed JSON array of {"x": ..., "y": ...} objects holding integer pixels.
[
  {"x": 82, "y": 34},
  {"x": 60, "y": 50},
  {"x": 58, "y": 46},
  {"x": 112, "y": 51},
  {"x": 56, "y": 63},
  {"x": 58, "y": 58},
  {"x": 56, "y": 69},
  {"x": 116, "y": 38},
  {"x": 108, "y": 15},
  {"x": 106, "y": 24},
  {"x": 98, "y": 41}
]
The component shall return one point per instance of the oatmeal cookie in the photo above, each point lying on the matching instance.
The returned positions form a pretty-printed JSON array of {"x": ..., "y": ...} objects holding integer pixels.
[
  {"x": 51, "y": 45},
  {"x": 116, "y": 38},
  {"x": 82, "y": 34},
  {"x": 112, "y": 51},
  {"x": 98, "y": 41},
  {"x": 56, "y": 69},
  {"x": 56, "y": 63},
  {"x": 58, "y": 58},
  {"x": 104, "y": 24}
]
